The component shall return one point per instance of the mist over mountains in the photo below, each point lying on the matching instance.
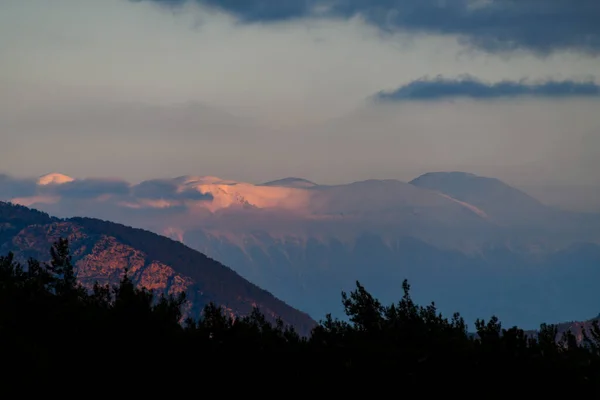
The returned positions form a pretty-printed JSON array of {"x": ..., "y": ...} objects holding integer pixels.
[{"x": 456, "y": 237}]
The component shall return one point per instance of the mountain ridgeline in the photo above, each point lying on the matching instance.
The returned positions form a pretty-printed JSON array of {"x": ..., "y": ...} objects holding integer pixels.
[
  {"x": 456, "y": 236},
  {"x": 103, "y": 251}
]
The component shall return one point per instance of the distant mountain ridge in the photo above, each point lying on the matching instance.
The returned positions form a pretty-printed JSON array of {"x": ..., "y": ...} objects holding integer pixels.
[
  {"x": 507, "y": 205},
  {"x": 102, "y": 251}
]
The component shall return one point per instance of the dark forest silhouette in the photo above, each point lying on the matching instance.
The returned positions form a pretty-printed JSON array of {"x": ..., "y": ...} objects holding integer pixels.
[{"x": 52, "y": 330}]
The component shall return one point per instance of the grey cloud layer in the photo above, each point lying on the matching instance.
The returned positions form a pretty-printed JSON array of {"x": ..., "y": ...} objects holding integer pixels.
[
  {"x": 93, "y": 188},
  {"x": 439, "y": 88},
  {"x": 542, "y": 26},
  {"x": 89, "y": 188},
  {"x": 10, "y": 187}
]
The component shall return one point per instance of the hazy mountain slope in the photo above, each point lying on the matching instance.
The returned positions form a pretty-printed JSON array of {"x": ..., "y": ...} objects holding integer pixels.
[
  {"x": 291, "y": 182},
  {"x": 503, "y": 203},
  {"x": 520, "y": 288},
  {"x": 525, "y": 219},
  {"x": 103, "y": 250}
]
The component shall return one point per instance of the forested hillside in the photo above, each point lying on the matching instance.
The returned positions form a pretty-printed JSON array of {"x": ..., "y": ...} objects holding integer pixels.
[{"x": 54, "y": 329}]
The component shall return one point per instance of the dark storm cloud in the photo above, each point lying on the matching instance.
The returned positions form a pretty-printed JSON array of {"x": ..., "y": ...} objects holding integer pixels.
[
  {"x": 469, "y": 87},
  {"x": 166, "y": 190},
  {"x": 542, "y": 26}
]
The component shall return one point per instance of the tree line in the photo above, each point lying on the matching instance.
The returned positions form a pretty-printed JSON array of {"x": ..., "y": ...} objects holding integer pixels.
[{"x": 52, "y": 329}]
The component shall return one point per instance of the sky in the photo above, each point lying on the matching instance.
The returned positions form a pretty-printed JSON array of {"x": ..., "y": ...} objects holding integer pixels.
[{"x": 331, "y": 91}]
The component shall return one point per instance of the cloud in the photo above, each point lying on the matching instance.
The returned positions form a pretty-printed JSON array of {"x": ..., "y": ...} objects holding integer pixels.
[
  {"x": 153, "y": 200},
  {"x": 155, "y": 193},
  {"x": 155, "y": 189},
  {"x": 89, "y": 188},
  {"x": 14, "y": 187},
  {"x": 191, "y": 194},
  {"x": 493, "y": 25},
  {"x": 164, "y": 189},
  {"x": 426, "y": 89}
]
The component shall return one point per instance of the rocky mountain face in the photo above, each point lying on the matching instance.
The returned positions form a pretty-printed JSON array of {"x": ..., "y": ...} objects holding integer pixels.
[
  {"x": 577, "y": 328},
  {"x": 102, "y": 251}
]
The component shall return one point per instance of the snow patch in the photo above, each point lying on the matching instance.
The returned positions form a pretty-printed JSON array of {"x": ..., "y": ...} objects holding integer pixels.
[{"x": 471, "y": 207}]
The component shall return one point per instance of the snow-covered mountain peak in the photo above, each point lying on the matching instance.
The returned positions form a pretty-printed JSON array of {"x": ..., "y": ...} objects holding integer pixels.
[{"x": 54, "y": 179}]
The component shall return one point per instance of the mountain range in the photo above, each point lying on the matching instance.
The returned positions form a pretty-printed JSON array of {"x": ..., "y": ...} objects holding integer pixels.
[{"x": 472, "y": 244}]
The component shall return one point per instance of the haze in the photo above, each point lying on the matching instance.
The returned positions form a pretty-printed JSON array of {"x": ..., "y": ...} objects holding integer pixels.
[{"x": 144, "y": 89}]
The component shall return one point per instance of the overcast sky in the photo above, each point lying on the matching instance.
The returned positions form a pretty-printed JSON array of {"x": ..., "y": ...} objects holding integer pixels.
[{"x": 331, "y": 91}]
